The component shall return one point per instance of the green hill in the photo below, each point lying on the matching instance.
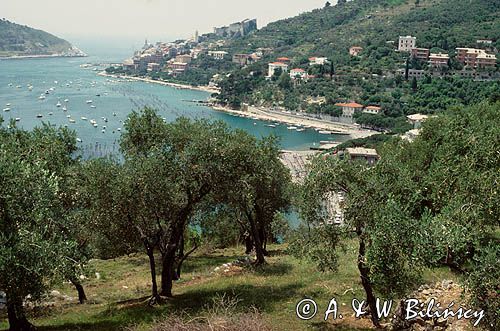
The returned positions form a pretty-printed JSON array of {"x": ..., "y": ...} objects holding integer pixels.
[
  {"x": 373, "y": 77},
  {"x": 21, "y": 40},
  {"x": 330, "y": 31}
]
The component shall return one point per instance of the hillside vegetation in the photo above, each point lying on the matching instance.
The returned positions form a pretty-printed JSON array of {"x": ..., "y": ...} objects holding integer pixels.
[
  {"x": 376, "y": 75},
  {"x": 18, "y": 39}
]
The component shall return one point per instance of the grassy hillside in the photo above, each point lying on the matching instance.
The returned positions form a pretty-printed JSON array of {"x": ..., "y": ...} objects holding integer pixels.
[
  {"x": 18, "y": 39},
  {"x": 119, "y": 298}
]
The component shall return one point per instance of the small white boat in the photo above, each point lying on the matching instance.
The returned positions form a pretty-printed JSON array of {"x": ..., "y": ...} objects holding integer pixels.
[
  {"x": 89, "y": 101},
  {"x": 39, "y": 116},
  {"x": 300, "y": 130},
  {"x": 92, "y": 106},
  {"x": 271, "y": 125},
  {"x": 95, "y": 125},
  {"x": 7, "y": 105},
  {"x": 119, "y": 129},
  {"x": 18, "y": 86},
  {"x": 6, "y": 109},
  {"x": 83, "y": 118},
  {"x": 325, "y": 132},
  {"x": 93, "y": 122},
  {"x": 114, "y": 114},
  {"x": 51, "y": 113},
  {"x": 103, "y": 130},
  {"x": 78, "y": 140},
  {"x": 64, "y": 108},
  {"x": 42, "y": 97},
  {"x": 18, "y": 119},
  {"x": 66, "y": 100},
  {"x": 72, "y": 120},
  {"x": 292, "y": 128},
  {"x": 30, "y": 88},
  {"x": 58, "y": 104},
  {"x": 68, "y": 116}
]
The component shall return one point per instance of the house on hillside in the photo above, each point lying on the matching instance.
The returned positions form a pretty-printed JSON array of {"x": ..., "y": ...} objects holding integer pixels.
[
  {"x": 420, "y": 53},
  {"x": 407, "y": 43},
  {"x": 416, "y": 120},
  {"x": 372, "y": 110},
  {"x": 275, "y": 65},
  {"x": 298, "y": 73},
  {"x": 218, "y": 55},
  {"x": 355, "y": 50},
  {"x": 317, "y": 60},
  {"x": 476, "y": 58},
  {"x": 241, "y": 59},
  {"x": 348, "y": 109},
  {"x": 438, "y": 60},
  {"x": 369, "y": 155},
  {"x": 284, "y": 60}
]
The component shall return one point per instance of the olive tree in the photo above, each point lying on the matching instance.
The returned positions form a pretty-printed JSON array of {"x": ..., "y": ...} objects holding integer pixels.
[
  {"x": 36, "y": 243},
  {"x": 427, "y": 203}
]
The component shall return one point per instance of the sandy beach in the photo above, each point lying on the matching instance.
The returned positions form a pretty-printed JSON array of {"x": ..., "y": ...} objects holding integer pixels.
[
  {"x": 339, "y": 128},
  {"x": 149, "y": 80}
]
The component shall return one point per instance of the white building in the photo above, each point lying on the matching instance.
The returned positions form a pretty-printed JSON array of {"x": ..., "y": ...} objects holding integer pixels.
[
  {"x": 318, "y": 60},
  {"x": 417, "y": 120},
  {"x": 275, "y": 65},
  {"x": 406, "y": 44},
  {"x": 218, "y": 55},
  {"x": 372, "y": 110},
  {"x": 298, "y": 74},
  {"x": 348, "y": 109}
]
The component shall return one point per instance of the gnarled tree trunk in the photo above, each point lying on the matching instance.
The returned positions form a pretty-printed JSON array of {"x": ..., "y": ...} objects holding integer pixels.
[
  {"x": 366, "y": 282},
  {"x": 82, "y": 297},
  {"x": 155, "y": 297},
  {"x": 16, "y": 316}
]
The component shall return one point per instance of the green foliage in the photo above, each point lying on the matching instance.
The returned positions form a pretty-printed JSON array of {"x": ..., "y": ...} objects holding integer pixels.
[
  {"x": 484, "y": 283},
  {"x": 37, "y": 244},
  {"x": 18, "y": 39},
  {"x": 431, "y": 202},
  {"x": 373, "y": 141}
]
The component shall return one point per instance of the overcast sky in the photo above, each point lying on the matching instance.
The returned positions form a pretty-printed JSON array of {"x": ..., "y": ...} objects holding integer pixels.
[{"x": 154, "y": 19}]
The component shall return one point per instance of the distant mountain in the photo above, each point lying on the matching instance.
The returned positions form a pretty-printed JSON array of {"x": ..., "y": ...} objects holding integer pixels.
[{"x": 21, "y": 40}]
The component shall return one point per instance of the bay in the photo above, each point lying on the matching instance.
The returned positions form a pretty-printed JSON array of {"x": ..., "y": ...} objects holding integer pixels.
[{"x": 112, "y": 101}]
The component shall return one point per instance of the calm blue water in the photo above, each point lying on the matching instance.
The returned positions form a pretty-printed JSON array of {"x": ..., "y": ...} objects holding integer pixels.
[{"x": 116, "y": 100}]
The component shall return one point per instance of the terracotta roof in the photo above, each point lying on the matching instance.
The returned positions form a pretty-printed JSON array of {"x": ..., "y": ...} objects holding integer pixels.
[
  {"x": 373, "y": 107},
  {"x": 279, "y": 64},
  {"x": 283, "y": 58},
  {"x": 350, "y": 104}
]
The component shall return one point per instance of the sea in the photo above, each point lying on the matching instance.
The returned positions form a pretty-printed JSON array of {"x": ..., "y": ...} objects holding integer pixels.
[{"x": 31, "y": 89}]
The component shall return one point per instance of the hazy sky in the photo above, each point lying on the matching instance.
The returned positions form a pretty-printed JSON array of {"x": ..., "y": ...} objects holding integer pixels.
[{"x": 154, "y": 19}]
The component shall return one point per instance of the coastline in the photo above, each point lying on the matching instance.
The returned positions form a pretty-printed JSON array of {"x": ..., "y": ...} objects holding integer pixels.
[
  {"x": 265, "y": 115},
  {"x": 40, "y": 56},
  {"x": 161, "y": 82},
  {"x": 261, "y": 113}
]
